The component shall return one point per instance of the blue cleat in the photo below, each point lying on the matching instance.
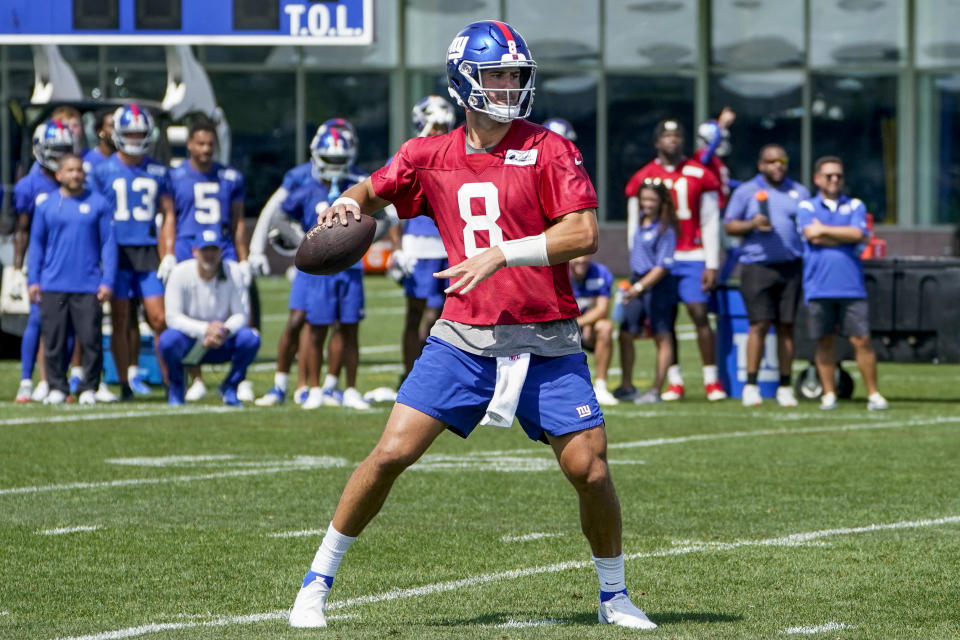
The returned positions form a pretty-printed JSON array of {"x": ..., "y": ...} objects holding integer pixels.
[
  {"x": 74, "y": 384},
  {"x": 229, "y": 395},
  {"x": 139, "y": 387},
  {"x": 175, "y": 395}
]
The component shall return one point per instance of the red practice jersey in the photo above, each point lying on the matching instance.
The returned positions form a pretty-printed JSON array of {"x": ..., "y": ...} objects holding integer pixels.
[
  {"x": 720, "y": 171},
  {"x": 531, "y": 178},
  {"x": 688, "y": 181}
]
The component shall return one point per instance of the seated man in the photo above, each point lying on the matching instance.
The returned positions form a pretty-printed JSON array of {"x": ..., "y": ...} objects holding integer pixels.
[
  {"x": 591, "y": 286},
  {"x": 207, "y": 312}
]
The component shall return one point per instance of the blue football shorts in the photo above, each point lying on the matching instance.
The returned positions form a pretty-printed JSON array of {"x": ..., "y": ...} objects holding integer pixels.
[
  {"x": 301, "y": 289},
  {"x": 336, "y": 298},
  {"x": 421, "y": 283},
  {"x": 657, "y": 305},
  {"x": 689, "y": 276},
  {"x": 455, "y": 387},
  {"x": 137, "y": 284}
]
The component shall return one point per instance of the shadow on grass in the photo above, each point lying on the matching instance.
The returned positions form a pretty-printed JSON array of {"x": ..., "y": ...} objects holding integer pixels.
[{"x": 584, "y": 618}]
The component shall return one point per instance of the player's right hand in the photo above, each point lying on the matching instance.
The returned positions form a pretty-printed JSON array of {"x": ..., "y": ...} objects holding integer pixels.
[
  {"x": 465, "y": 277},
  {"x": 34, "y": 292},
  {"x": 259, "y": 264},
  {"x": 166, "y": 267},
  {"x": 342, "y": 210},
  {"x": 762, "y": 223}
]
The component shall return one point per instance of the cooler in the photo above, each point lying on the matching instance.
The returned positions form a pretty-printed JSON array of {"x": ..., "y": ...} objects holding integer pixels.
[{"x": 732, "y": 330}]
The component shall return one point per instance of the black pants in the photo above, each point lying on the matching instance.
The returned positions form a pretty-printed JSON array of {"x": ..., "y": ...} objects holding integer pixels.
[{"x": 81, "y": 311}]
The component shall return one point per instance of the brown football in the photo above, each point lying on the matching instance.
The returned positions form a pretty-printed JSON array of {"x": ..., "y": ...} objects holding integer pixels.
[{"x": 328, "y": 250}]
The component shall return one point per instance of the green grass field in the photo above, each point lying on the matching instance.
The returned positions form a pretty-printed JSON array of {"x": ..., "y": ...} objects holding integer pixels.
[{"x": 138, "y": 521}]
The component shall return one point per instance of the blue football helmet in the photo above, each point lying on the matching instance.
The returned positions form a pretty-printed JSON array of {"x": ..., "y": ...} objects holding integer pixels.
[
  {"x": 708, "y": 131},
  {"x": 333, "y": 149},
  {"x": 490, "y": 44},
  {"x": 561, "y": 126},
  {"x": 52, "y": 139},
  {"x": 133, "y": 130},
  {"x": 430, "y": 112}
]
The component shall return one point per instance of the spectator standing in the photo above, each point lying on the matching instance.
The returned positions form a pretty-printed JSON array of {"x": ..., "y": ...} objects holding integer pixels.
[
  {"x": 695, "y": 197},
  {"x": 73, "y": 263},
  {"x": 834, "y": 226},
  {"x": 763, "y": 212},
  {"x": 207, "y": 312},
  {"x": 592, "y": 283},
  {"x": 652, "y": 297}
]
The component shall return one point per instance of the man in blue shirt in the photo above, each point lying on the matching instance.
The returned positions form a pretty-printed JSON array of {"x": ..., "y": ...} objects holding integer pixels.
[
  {"x": 592, "y": 283},
  {"x": 834, "y": 226},
  {"x": 73, "y": 263},
  {"x": 51, "y": 140},
  {"x": 137, "y": 187},
  {"x": 763, "y": 211}
]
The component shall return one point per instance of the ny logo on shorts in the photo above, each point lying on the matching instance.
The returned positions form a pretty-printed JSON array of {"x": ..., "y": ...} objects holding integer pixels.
[{"x": 583, "y": 410}]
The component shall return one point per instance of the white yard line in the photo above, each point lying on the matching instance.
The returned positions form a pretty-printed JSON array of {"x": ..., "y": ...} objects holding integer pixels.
[
  {"x": 821, "y": 628},
  {"x": 530, "y": 536},
  {"x": 80, "y": 415},
  {"x": 56, "y": 532},
  {"x": 298, "y": 534},
  {"x": 512, "y": 574}
]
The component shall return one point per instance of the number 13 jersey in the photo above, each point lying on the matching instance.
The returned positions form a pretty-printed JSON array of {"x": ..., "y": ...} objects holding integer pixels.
[
  {"x": 133, "y": 194},
  {"x": 478, "y": 200}
]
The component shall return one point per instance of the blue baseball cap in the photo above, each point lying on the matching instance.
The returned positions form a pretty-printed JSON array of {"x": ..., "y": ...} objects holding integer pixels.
[{"x": 206, "y": 238}]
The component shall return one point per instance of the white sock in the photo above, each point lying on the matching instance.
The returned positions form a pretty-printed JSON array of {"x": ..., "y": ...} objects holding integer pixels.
[
  {"x": 673, "y": 375},
  {"x": 330, "y": 382},
  {"x": 331, "y": 552},
  {"x": 610, "y": 573},
  {"x": 280, "y": 380},
  {"x": 600, "y": 383},
  {"x": 709, "y": 373},
  {"x": 133, "y": 371},
  {"x": 76, "y": 372}
]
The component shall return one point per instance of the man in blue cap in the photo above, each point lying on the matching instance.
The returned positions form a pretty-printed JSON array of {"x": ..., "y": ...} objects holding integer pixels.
[{"x": 207, "y": 312}]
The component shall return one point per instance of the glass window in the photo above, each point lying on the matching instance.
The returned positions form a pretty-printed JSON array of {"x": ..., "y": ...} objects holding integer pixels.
[
  {"x": 572, "y": 97},
  {"x": 845, "y": 32},
  {"x": 74, "y": 54},
  {"x": 650, "y": 33},
  {"x": 939, "y": 157},
  {"x": 19, "y": 88},
  {"x": 561, "y": 31},
  {"x": 635, "y": 105},
  {"x": 361, "y": 98},
  {"x": 431, "y": 25},
  {"x": 382, "y": 53},
  {"x": 937, "y": 22},
  {"x": 138, "y": 84},
  {"x": 755, "y": 33},
  {"x": 256, "y": 54},
  {"x": 769, "y": 110},
  {"x": 260, "y": 110},
  {"x": 136, "y": 54},
  {"x": 19, "y": 53},
  {"x": 854, "y": 117}
]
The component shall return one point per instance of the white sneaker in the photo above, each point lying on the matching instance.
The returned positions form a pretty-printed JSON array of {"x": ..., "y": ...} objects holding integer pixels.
[
  {"x": 751, "y": 396},
  {"x": 197, "y": 391},
  {"x": 380, "y": 395},
  {"x": 24, "y": 391},
  {"x": 103, "y": 394},
  {"x": 300, "y": 395},
  {"x": 40, "y": 391},
  {"x": 786, "y": 397},
  {"x": 314, "y": 399},
  {"x": 307, "y": 611},
  {"x": 828, "y": 401},
  {"x": 604, "y": 397},
  {"x": 271, "y": 398},
  {"x": 619, "y": 611},
  {"x": 353, "y": 400},
  {"x": 245, "y": 391},
  {"x": 876, "y": 402},
  {"x": 87, "y": 397},
  {"x": 55, "y": 396}
]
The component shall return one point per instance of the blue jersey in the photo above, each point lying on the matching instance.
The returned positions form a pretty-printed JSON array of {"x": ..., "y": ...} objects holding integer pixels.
[
  {"x": 832, "y": 272},
  {"x": 72, "y": 248},
  {"x": 652, "y": 248},
  {"x": 309, "y": 200},
  {"x": 783, "y": 243},
  {"x": 133, "y": 194},
  {"x": 31, "y": 189},
  {"x": 204, "y": 201},
  {"x": 91, "y": 159},
  {"x": 597, "y": 283},
  {"x": 297, "y": 177}
]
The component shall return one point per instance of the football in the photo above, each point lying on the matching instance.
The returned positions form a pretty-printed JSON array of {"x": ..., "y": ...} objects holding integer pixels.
[{"x": 328, "y": 250}]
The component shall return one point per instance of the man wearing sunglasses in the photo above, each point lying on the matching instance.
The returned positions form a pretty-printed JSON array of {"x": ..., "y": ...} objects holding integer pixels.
[
  {"x": 834, "y": 227},
  {"x": 763, "y": 212}
]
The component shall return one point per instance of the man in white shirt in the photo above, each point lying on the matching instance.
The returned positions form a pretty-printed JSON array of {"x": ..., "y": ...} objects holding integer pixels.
[{"x": 207, "y": 310}]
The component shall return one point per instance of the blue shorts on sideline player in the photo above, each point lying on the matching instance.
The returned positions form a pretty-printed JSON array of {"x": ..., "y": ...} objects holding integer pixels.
[
  {"x": 421, "y": 283},
  {"x": 689, "y": 275},
  {"x": 455, "y": 387}
]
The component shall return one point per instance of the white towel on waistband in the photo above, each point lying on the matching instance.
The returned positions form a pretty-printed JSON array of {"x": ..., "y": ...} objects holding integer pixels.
[{"x": 511, "y": 374}]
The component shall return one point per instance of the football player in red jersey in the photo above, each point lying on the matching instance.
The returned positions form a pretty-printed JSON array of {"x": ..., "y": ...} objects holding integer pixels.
[
  {"x": 513, "y": 204},
  {"x": 695, "y": 194}
]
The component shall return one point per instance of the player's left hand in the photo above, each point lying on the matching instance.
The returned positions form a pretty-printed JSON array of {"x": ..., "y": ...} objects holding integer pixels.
[
  {"x": 34, "y": 292},
  {"x": 246, "y": 273},
  {"x": 709, "y": 280},
  {"x": 104, "y": 293},
  {"x": 166, "y": 267},
  {"x": 465, "y": 277}
]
